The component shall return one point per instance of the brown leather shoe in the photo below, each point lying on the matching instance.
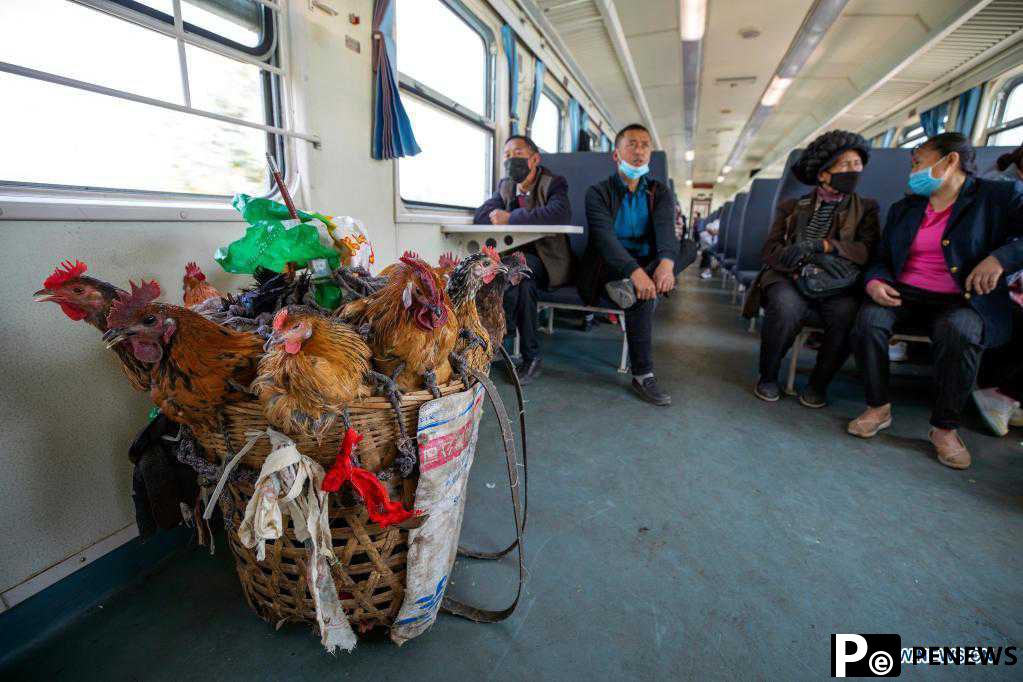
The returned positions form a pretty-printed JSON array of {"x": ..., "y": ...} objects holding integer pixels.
[
  {"x": 868, "y": 426},
  {"x": 954, "y": 456}
]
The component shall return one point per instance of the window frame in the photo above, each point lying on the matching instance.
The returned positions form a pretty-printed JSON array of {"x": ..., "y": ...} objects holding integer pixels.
[
  {"x": 559, "y": 104},
  {"x": 995, "y": 125},
  {"x": 416, "y": 211},
  {"x": 41, "y": 201}
]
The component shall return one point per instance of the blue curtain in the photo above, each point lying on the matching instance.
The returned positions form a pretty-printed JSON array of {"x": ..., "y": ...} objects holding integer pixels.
[
  {"x": 537, "y": 92},
  {"x": 511, "y": 52},
  {"x": 605, "y": 142},
  {"x": 584, "y": 127},
  {"x": 931, "y": 119},
  {"x": 574, "y": 124},
  {"x": 967, "y": 116},
  {"x": 889, "y": 136},
  {"x": 392, "y": 131}
]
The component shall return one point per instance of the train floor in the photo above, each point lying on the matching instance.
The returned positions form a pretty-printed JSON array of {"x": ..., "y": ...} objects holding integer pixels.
[{"x": 719, "y": 538}]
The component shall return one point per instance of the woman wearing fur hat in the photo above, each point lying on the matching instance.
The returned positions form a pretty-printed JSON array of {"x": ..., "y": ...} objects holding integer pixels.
[{"x": 831, "y": 228}]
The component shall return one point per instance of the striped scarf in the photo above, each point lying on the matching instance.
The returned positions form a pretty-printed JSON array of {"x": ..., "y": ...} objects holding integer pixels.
[{"x": 820, "y": 222}]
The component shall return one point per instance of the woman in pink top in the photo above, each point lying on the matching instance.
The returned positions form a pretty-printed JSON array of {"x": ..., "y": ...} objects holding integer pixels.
[{"x": 940, "y": 270}]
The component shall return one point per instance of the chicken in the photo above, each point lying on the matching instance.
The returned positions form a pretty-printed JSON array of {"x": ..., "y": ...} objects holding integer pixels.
[
  {"x": 196, "y": 366},
  {"x": 313, "y": 368},
  {"x": 446, "y": 264},
  {"x": 411, "y": 331},
  {"x": 473, "y": 349},
  {"x": 490, "y": 297},
  {"x": 85, "y": 298},
  {"x": 195, "y": 286}
]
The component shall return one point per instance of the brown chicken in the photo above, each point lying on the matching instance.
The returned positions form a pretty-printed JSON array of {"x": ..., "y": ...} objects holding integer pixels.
[
  {"x": 313, "y": 368},
  {"x": 490, "y": 297},
  {"x": 473, "y": 349},
  {"x": 197, "y": 366},
  {"x": 411, "y": 331},
  {"x": 195, "y": 286},
  {"x": 89, "y": 299}
]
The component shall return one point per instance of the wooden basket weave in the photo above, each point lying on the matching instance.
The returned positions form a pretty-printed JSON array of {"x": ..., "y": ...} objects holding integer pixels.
[{"x": 370, "y": 573}]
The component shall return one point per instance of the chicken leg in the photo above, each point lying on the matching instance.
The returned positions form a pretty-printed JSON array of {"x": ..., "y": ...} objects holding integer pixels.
[
  {"x": 407, "y": 457},
  {"x": 458, "y": 360}
]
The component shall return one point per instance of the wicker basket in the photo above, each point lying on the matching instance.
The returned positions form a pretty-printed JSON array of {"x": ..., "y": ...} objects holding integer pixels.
[{"x": 370, "y": 573}]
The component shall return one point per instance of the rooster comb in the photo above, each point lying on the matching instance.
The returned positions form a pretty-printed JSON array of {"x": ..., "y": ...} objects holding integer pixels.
[
  {"x": 409, "y": 254},
  {"x": 447, "y": 260},
  {"x": 416, "y": 265},
  {"x": 193, "y": 270},
  {"x": 492, "y": 252},
  {"x": 280, "y": 319},
  {"x": 65, "y": 272},
  {"x": 127, "y": 304}
]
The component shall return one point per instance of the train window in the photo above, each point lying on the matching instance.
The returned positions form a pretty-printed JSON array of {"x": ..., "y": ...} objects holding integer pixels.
[
  {"x": 911, "y": 137},
  {"x": 1007, "y": 128},
  {"x": 138, "y": 102},
  {"x": 448, "y": 86},
  {"x": 547, "y": 124}
]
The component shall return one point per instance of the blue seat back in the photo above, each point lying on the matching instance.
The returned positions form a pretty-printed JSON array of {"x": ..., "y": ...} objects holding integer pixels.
[
  {"x": 726, "y": 212},
  {"x": 756, "y": 223},
  {"x": 987, "y": 156},
  {"x": 735, "y": 225},
  {"x": 582, "y": 170}
]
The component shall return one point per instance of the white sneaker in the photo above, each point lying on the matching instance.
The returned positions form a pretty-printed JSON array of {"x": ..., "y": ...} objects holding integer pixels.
[
  {"x": 996, "y": 409},
  {"x": 898, "y": 352},
  {"x": 1017, "y": 418},
  {"x": 706, "y": 274}
]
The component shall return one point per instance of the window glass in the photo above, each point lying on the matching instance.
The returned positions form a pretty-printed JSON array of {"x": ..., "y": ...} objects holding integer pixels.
[
  {"x": 912, "y": 137},
  {"x": 1011, "y": 137},
  {"x": 437, "y": 48},
  {"x": 547, "y": 124},
  {"x": 67, "y": 39},
  {"x": 1013, "y": 108},
  {"x": 224, "y": 86},
  {"x": 238, "y": 20},
  {"x": 453, "y": 167},
  {"x": 115, "y": 143}
]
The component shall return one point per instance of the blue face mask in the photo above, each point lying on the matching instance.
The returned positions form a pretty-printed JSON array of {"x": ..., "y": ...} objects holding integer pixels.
[
  {"x": 633, "y": 172},
  {"x": 922, "y": 183}
]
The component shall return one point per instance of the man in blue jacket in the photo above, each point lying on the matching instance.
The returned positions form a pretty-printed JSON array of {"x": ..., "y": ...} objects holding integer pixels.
[
  {"x": 530, "y": 194},
  {"x": 632, "y": 250}
]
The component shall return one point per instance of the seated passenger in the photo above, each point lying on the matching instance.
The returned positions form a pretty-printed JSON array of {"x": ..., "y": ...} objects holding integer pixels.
[
  {"x": 530, "y": 194},
  {"x": 632, "y": 250},
  {"x": 831, "y": 227},
  {"x": 940, "y": 263}
]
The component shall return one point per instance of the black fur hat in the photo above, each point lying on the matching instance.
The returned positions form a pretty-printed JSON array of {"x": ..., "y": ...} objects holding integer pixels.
[{"x": 820, "y": 153}]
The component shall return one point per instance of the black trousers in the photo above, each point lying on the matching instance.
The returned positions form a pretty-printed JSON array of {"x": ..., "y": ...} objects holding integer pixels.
[
  {"x": 639, "y": 327},
  {"x": 956, "y": 332},
  {"x": 520, "y": 307},
  {"x": 1002, "y": 367},
  {"x": 785, "y": 313},
  {"x": 705, "y": 259}
]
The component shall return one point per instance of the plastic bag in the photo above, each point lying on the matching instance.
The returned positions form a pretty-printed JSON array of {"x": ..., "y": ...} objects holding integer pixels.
[{"x": 273, "y": 239}]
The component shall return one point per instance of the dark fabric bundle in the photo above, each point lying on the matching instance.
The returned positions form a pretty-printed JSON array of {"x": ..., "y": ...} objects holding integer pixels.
[{"x": 160, "y": 483}]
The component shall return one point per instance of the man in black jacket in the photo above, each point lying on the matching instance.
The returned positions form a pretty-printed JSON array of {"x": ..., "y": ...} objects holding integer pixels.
[
  {"x": 632, "y": 250},
  {"x": 530, "y": 194}
]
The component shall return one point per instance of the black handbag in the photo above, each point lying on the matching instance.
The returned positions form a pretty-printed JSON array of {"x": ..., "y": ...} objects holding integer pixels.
[
  {"x": 687, "y": 253},
  {"x": 815, "y": 282}
]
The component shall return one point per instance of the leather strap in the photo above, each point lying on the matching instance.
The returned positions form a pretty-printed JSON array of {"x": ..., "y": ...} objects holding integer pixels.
[
  {"x": 491, "y": 556},
  {"x": 474, "y": 613}
]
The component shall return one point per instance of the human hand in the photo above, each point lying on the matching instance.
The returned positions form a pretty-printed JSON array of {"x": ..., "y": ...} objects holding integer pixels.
[
  {"x": 884, "y": 294},
  {"x": 794, "y": 253},
  {"x": 840, "y": 268},
  {"x": 499, "y": 217},
  {"x": 984, "y": 277},
  {"x": 664, "y": 276},
  {"x": 645, "y": 287}
]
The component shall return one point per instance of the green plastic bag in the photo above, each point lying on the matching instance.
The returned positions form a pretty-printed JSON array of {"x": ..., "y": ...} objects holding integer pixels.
[{"x": 273, "y": 239}]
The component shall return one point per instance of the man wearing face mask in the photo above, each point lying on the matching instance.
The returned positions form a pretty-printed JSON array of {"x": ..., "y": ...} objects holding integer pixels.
[
  {"x": 941, "y": 264},
  {"x": 530, "y": 194},
  {"x": 831, "y": 230},
  {"x": 632, "y": 250}
]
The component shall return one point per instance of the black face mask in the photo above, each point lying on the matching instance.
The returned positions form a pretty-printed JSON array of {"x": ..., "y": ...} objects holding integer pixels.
[
  {"x": 517, "y": 168},
  {"x": 844, "y": 182}
]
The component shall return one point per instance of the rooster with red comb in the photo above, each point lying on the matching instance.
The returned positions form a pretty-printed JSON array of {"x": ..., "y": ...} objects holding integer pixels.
[{"x": 86, "y": 298}]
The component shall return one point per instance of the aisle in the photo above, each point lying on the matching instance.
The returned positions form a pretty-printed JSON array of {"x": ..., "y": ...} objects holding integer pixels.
[{"x": 720, "y": 538}]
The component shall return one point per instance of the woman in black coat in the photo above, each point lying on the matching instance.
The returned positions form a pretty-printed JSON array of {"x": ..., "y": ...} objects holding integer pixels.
[{"x": 941, "y": 263}]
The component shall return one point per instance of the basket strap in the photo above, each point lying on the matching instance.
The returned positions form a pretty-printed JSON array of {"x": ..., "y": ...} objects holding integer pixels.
[
  {"x": 475, "y": 613},
  {"x": 476, "y": 554}
]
